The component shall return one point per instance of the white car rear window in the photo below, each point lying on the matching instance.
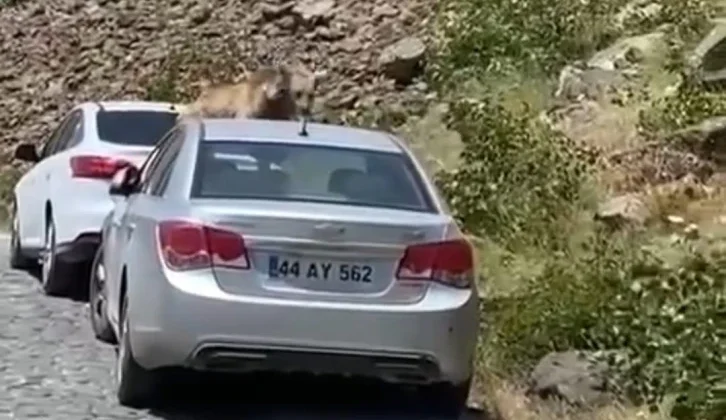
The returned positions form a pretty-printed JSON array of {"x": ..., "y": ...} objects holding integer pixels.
[{"x": 134, "y": 128}]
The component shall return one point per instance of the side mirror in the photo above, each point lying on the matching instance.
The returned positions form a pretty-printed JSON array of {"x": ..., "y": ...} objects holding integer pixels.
[
  {"x": 125, "y": 182},
  {"x": 26, "y": 152}
]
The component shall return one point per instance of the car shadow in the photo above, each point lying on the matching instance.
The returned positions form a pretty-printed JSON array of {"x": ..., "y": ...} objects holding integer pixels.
[{"x": 293, "y": 398}]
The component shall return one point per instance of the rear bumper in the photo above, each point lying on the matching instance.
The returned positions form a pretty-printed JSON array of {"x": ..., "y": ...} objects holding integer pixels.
[
  {"x": 198, "y": 325},
  {"x": 389, "y": 366}
]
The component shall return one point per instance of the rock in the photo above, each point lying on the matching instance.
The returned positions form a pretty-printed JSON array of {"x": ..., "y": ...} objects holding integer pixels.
[
  {"x": 628, "y": 209},
  {"x": 691, "y": 231},
  {"x": 385, "y": 10},
  {"x": 706, "y": 139},
  {"x": 273, "y": 11},
  {"x": 676, "y": 220},
  {"x": 401, "y": 60},
  {"x": 686, "y": 189},
  {"x": 577, "y": 377},
  {"x": 630, "y": 50},
  {"x": 576, "y": 84},
  {"x": 314, "y": 10},
  {"x": 659, "y": 163},
  {"x": 709, "y": 56},
  {"x": 56, "y": 54},
  {"x": 637, "y": 9}
]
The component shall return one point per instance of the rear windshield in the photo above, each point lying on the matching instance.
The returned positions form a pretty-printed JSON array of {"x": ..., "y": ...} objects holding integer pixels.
[
  {"x": 134, "y": 128},
  {"x": 246, "y": 170}
]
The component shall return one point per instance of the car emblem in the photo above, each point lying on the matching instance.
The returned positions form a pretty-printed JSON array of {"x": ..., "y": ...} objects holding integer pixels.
[
  {"x": 414, "y": 235},
  {"x": 329, "y": 230}
]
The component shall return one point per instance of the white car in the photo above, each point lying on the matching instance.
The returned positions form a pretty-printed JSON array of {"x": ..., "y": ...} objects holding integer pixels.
[{"x": 60, "y": 204}]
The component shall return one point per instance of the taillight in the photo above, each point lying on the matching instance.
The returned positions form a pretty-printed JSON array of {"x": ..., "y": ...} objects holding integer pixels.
[
  {"x": 99, "y": 167},
  {"x": 448, "y": 262},
  {"x": 187, "y": 245}
]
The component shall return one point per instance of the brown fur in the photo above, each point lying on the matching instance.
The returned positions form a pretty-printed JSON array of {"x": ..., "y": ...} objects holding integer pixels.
[{"x": 266, "y": 93}]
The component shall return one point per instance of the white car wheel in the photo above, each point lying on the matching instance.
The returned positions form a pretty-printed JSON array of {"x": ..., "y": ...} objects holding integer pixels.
[
  {"x": 17, "y": 259},
  {"x": 49, "y": 276}
]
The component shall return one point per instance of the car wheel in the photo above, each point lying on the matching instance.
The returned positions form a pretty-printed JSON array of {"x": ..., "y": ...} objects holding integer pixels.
[
  {"x": 54, "y": 276},
  {"x": 135, "y": 386},
  {"x": 446, "y": 398},
  {"x": 97, "y": 301},
  {"x": 17, "y": 259}
]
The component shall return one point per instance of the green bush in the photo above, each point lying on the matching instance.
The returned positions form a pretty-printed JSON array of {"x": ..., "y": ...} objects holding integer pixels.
[
  {"x": 617, "y": 295},
  {"x": 670, "y": 317},
  {"x": 476, "y": 37},
  {"x": 8, "y": 3},
  {"x": 517, "y": 180},
  {"x": 691, "y": 104}
]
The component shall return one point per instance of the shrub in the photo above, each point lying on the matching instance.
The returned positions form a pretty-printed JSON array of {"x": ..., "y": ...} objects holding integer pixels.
[
  {"x": 669, "y": 317},
  {"x": 188, "y": 64},
  {"x": 516, "y": 180},
  {"x": 9, "y": 176},
  {"x": 691, "y": 104},
  {"x": 476, "y": 37}
]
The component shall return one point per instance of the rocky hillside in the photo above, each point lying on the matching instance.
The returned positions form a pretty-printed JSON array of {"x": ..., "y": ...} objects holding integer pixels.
[{"x": 56, "y": 53}]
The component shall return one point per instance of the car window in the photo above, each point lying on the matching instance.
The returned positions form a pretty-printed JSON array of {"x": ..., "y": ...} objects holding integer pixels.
[
  {"x": 153, "y": 158},
  {"x": 312, "y": 173},
  {"x": 159, "y": 178},
  {"x": 134, "y": 128},
  {"x": 70, "y": 134},
  {"x": 54, "y": 138}
]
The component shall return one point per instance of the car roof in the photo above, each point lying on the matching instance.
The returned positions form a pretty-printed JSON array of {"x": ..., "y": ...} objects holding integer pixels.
[
  {"x": 224, "y": 129},
  {"x": 137, "y": 106}
]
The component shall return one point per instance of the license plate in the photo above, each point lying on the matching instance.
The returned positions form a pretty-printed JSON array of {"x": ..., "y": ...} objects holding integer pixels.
[{"x": 290, "y": 268}]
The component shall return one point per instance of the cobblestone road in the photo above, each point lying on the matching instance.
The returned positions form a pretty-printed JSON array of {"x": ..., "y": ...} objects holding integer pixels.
[{"x": 51, "y": 367}]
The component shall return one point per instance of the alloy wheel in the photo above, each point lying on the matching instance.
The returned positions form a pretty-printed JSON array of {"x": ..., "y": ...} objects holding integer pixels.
[
  {"x": 98, "y": 304},
  {"x": 48, "y": 257},
  {"x": 121, "y": 349}
]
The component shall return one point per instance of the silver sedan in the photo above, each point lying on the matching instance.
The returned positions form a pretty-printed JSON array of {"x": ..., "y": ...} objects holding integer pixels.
[{"x": 253, "y": 245}]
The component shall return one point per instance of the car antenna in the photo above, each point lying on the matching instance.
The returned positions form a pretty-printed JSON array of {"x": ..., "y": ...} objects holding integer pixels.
[{"x": 303, "y": 126}]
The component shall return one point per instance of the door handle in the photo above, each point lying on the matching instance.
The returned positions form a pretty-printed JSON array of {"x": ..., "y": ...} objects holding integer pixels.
[{"x": 131, "y": 226}]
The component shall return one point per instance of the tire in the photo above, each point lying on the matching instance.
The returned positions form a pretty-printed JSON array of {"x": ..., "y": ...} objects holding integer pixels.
[
  {"x": 447, "y": 399},
  {"x": 136, "y": 387},
  {"x": 97, "y": 301},
  {"x": 18, "y": 261},
  {"x": 55, "y": 277}
]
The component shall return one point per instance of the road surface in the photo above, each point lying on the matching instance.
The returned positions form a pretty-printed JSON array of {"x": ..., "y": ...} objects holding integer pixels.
[{"x": 51, "y": 367}]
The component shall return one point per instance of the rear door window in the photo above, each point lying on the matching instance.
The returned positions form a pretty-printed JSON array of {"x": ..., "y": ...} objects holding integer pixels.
[
  {"x": 159, "y": 179},
  {"x": 57, "y": 136},
  {"x": 71, "y": 134},
  {"x": 154, "y": 158}
]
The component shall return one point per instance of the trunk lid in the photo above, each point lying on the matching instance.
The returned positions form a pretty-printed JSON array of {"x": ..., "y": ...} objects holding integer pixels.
[
  {"x": 323, "y": 251},
  {"x": 134, "y": 154}
]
